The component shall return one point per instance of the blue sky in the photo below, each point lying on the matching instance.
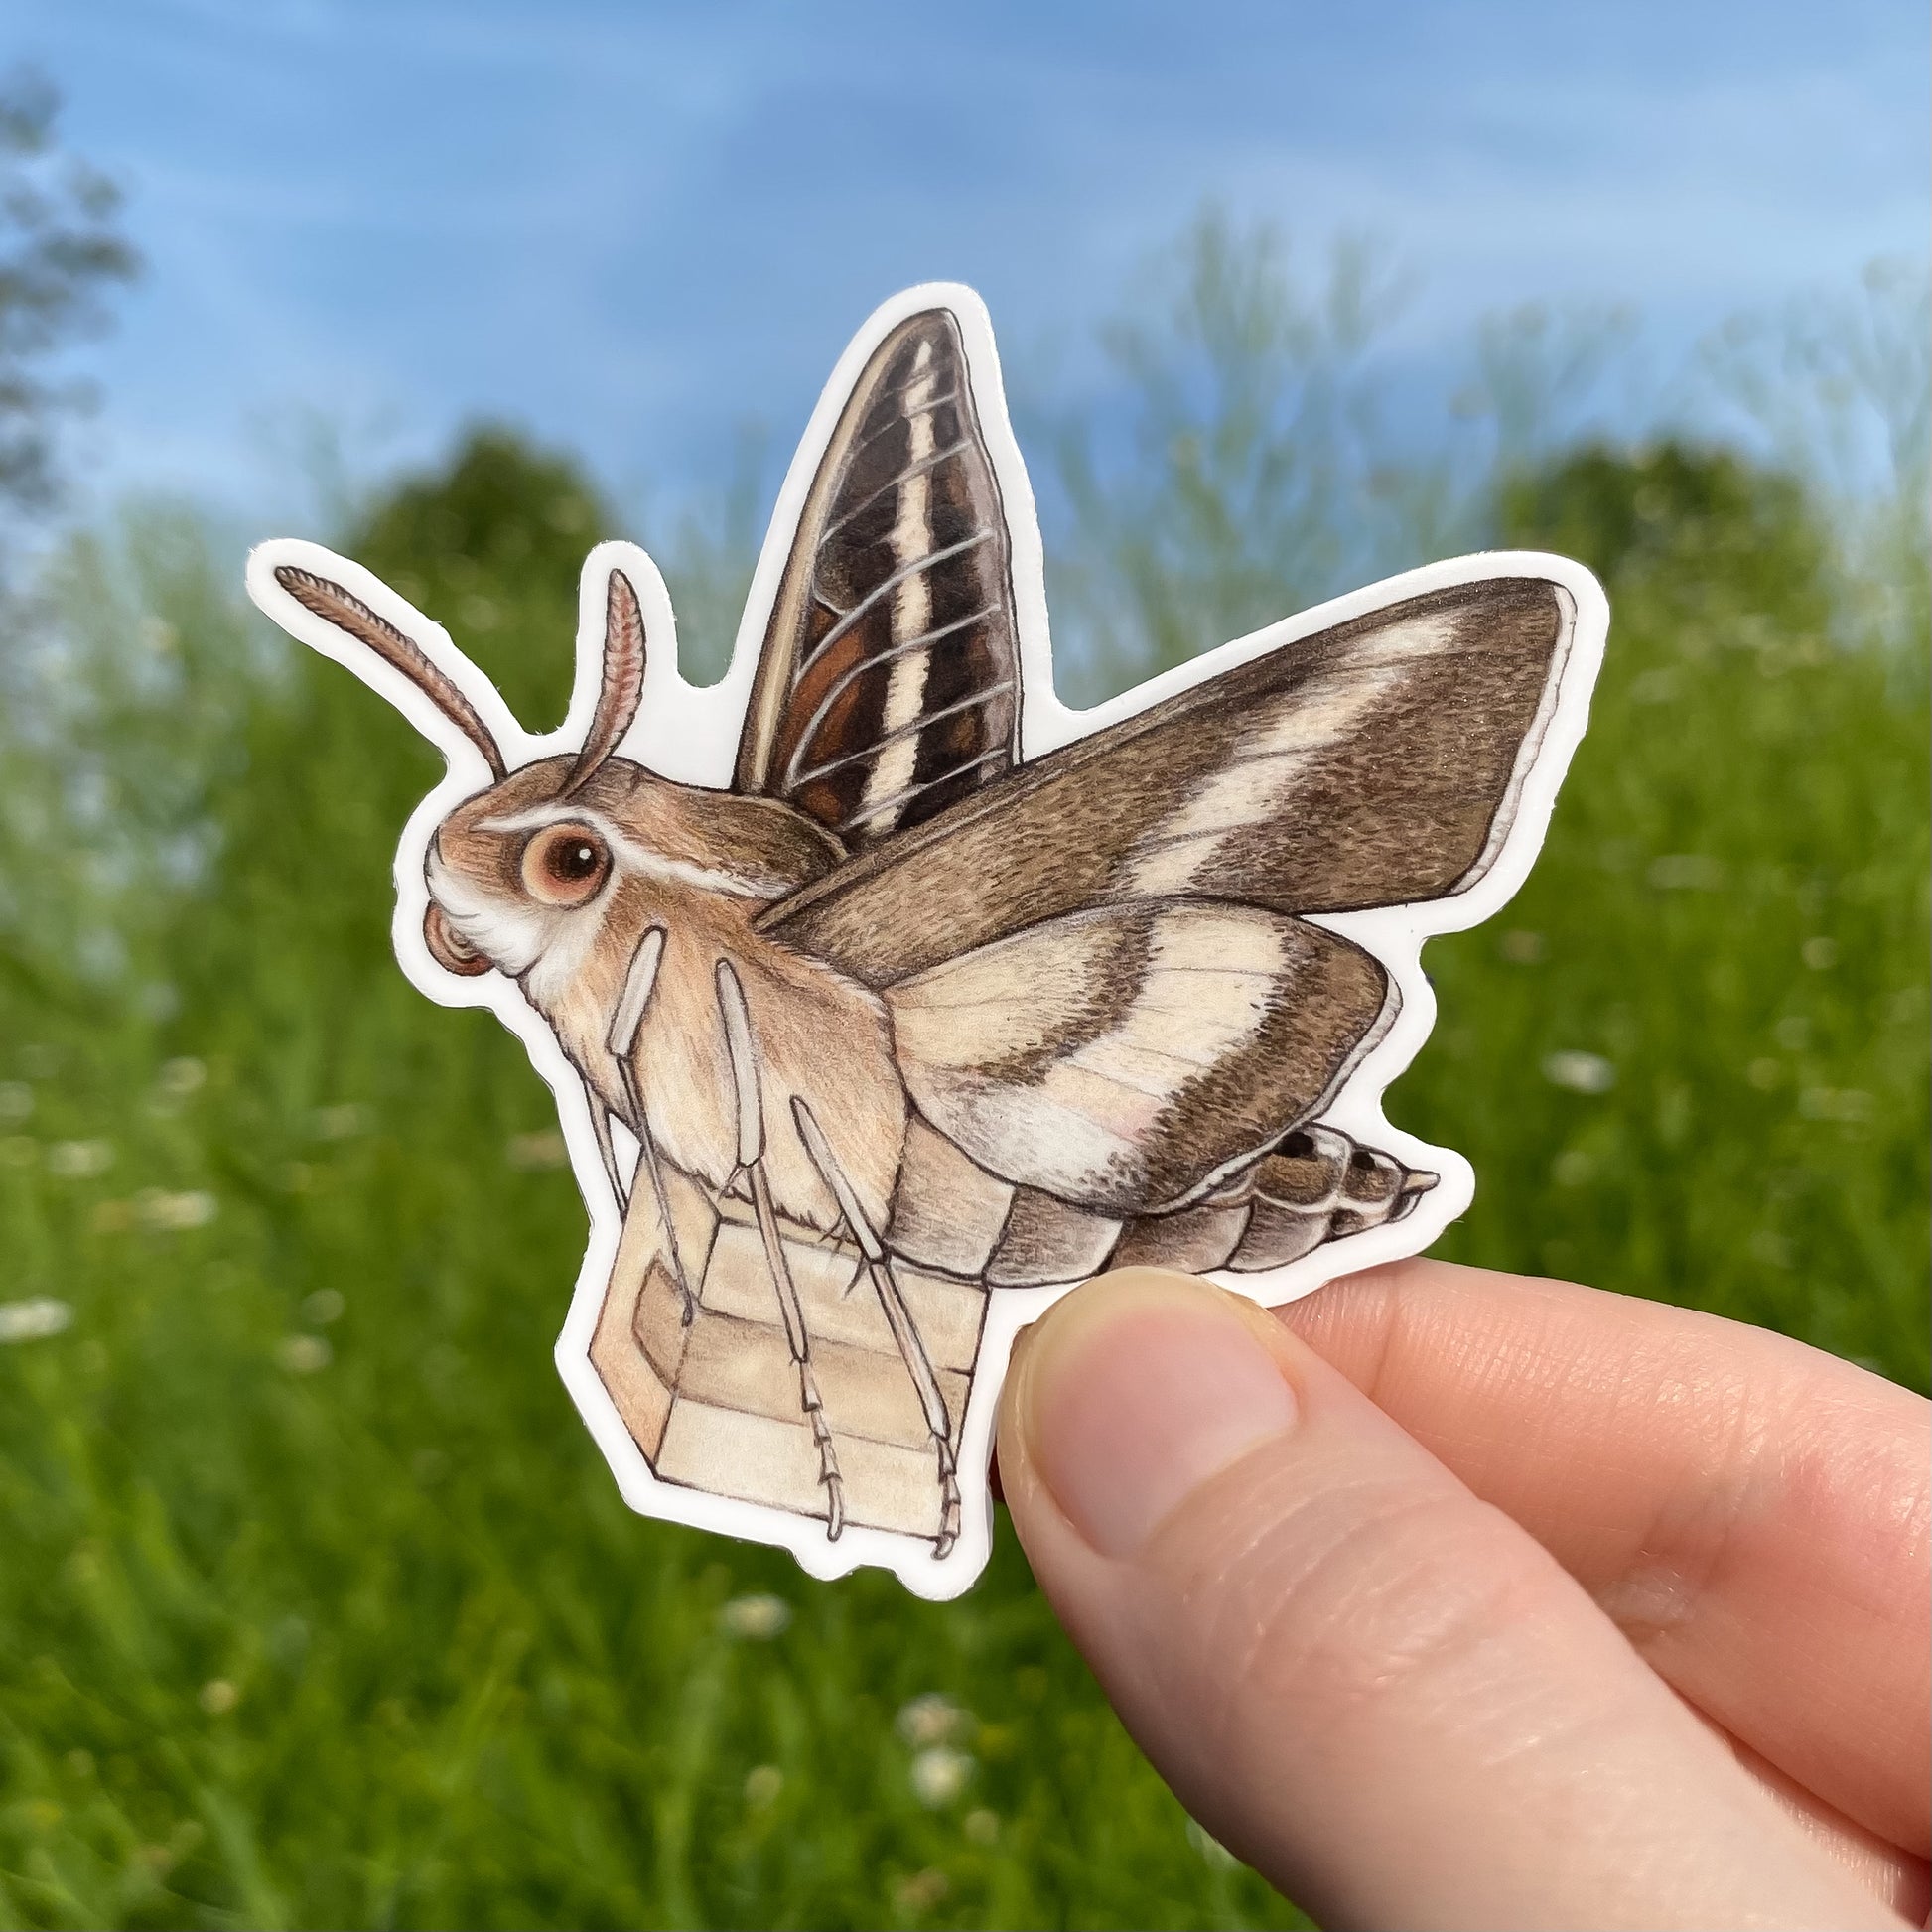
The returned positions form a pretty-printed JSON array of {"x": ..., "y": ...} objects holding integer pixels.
[{"x": 632, "y": 227}]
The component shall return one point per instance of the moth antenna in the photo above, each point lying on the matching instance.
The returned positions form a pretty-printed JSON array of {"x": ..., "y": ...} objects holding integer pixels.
[
  {"x": 623, "y": 680},
  {"x": 334, "y": 605}
]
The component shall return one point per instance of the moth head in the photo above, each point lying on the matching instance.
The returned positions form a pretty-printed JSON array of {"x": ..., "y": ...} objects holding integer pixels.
[
  {"x": 524, "y": 873},
  {"x": 518, "y": 872}
]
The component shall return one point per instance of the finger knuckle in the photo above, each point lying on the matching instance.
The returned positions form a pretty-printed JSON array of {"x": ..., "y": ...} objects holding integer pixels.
[{"x": 1362, "y": 1599}]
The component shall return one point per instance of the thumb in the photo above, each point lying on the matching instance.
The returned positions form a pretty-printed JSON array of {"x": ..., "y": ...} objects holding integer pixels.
[{"x": 1377, "y": 1689}]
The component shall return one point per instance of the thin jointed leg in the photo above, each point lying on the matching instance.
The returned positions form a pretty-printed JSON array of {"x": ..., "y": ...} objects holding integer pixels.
[
  {"x": 605, "y": 1147},
  {"x": 751, "y": 1158},
  {"x": 898, "y": 1317},
  {"x": 639, "y": 983},
  {"x": 654, "y": 1172}
]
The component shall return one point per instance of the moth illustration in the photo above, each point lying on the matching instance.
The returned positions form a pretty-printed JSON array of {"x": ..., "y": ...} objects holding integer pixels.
[{"x": 885, "y": 997}]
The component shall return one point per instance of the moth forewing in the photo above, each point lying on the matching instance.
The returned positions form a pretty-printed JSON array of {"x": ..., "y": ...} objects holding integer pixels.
[{"x": 882, "y": 996}]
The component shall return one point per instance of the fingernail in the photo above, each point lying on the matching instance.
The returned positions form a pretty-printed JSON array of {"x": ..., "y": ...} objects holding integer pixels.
[{"x": 1135, "y": 1391}]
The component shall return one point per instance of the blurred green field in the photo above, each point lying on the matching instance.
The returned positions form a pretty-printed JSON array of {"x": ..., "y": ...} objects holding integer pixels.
[{"x": 318, "y": 1606}]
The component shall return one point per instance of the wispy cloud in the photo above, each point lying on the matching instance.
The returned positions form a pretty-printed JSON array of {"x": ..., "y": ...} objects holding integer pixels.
[{"x": 634, "y": 228}]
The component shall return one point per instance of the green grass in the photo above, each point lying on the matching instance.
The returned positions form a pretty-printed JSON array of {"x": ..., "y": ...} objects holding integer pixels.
[{"x": 318, "y": 1606}]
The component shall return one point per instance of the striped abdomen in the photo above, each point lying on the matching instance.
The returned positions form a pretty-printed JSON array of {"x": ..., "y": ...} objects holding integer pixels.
[{"x": 1318, "y": 1185}]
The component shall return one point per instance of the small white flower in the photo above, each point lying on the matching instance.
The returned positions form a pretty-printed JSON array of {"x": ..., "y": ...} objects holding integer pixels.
[
  {"x": 218, "y": 1696},
  {"x": 544, "y": 1148},
  {"x": 16, "y": 1102},
  {"x": 30, "y": 1320},
  {"x": 939, "y": 1775},
  {"x": 1687, "y": 872},
  {"x": 167, "y": 1213},
  {"x": 1834, "y": 1103},
  {"x": 758, "y": 1618},
  {"x": 1580, "y": 1072},
  {"x": 341, "y": 1123},
  {"x": 1573, "y": 1168},
  {"x": 982, "y": 1827},
  {"x": 79, "y": 1159},
  {"x": 180, "y": 1078},
  {"x": 304, "y": 1354},
  {"x": 931, "y": 1719},
  {"x": 920, "y": 1892}
]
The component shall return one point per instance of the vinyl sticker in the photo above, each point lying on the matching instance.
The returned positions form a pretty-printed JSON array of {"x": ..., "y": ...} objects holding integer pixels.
[{"x": 885, "y": 997}]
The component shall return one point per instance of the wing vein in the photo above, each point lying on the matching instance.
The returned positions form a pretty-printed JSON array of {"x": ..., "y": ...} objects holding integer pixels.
[
  {"x": 846, "y": 677},
  {"x": 913, "y": 791},
  {"x": 879, "y": 590},
  {"x": 920, "y": 724},
  {"x": 911, "y": 470}
]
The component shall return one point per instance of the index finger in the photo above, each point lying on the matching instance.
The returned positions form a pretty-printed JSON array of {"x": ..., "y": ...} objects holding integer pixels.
[{"x": 1754, "y": 1513}]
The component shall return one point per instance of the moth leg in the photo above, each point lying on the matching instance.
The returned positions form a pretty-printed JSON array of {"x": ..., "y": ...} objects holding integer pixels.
[
  {"x": 600, "y": 1127},
  {"x": 898, "y": 1317},
  {"x": 638, "y": 985},
  {"x": 750, "y": 1158}
]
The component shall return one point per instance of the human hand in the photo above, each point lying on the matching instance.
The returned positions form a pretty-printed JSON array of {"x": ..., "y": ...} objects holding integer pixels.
[{"x": 1453, "y": 1598}]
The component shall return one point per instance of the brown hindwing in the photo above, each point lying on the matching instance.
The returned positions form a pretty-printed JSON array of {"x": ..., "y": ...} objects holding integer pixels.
[{"x": 1120, "y": 1060}]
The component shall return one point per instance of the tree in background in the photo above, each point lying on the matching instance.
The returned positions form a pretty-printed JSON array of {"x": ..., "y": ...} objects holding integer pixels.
[
  {"x": 62, "y": 255},
  {"x": 1238, "y": 468},
  {"x": 490, "y": 542},
  {"x": 1260, "y": 445}
]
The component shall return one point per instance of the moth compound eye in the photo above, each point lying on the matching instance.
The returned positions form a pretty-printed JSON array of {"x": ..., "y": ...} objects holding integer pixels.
[{"x": 566, "y": 865}]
